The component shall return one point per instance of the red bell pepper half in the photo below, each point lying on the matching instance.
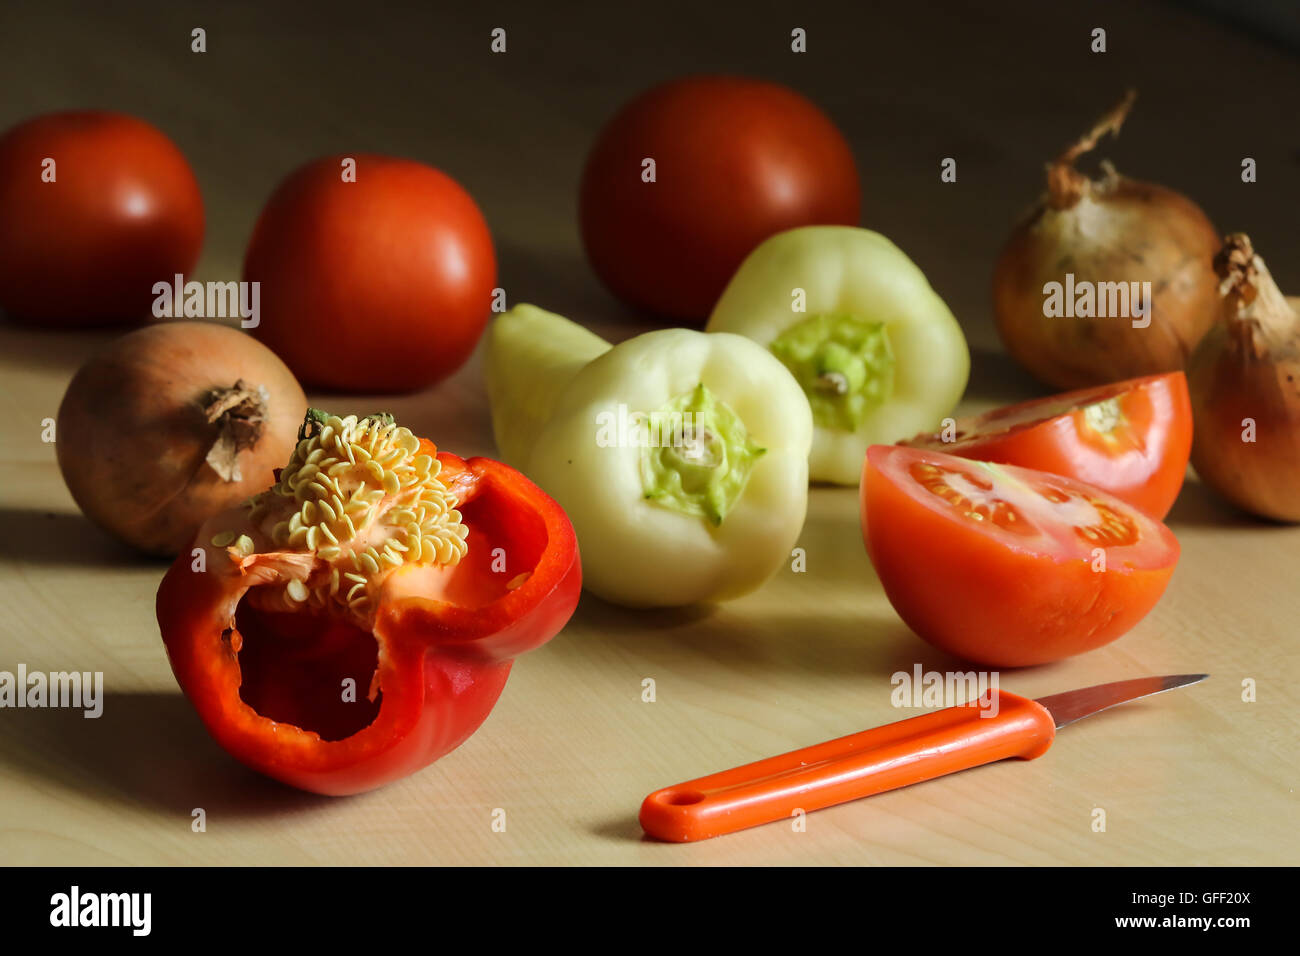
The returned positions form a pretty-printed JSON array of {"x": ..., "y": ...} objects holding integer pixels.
[{"x": 359, "y": 619}]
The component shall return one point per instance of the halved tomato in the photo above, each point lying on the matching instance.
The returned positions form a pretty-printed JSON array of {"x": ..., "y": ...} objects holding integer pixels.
[
  {"x": 1008, "y": 566},
  {"x": 1130, "y": 438}
]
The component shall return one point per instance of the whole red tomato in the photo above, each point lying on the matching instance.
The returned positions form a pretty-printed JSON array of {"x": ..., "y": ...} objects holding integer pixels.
[
  {"x": 95, "y": 208},
  {"x": 735, "y": 161},
  {"x": 382, "y": 284}
]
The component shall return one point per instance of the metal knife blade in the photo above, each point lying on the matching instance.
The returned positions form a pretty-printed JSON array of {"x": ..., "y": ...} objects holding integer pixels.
[{"x": 1076, "y": 704}]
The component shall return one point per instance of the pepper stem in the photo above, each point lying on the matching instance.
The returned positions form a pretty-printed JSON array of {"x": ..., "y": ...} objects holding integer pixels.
[
  {"x": 844, "y": 364},
  {"x": 697, "y": 456},
  {"x": 315, "y": 420}
]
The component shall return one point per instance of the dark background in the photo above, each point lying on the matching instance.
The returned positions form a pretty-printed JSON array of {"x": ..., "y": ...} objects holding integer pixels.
[{"x": 1000, "y": 86}]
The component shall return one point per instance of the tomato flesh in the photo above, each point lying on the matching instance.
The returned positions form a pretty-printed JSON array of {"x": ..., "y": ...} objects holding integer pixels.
[
  {"x": 1008, "y": 566},
  {"x": 1130, "y": 438}
]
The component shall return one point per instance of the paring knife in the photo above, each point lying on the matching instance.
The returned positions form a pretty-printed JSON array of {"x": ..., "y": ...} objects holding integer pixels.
[{"x": 885, "y": 758}]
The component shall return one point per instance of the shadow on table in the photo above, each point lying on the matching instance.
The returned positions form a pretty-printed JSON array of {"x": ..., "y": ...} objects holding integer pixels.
[
  {"x": 1198, "y": 506},
  {"x": 834, "y": 553},
  {"x": 625, "y": 829},
  {"x": 37, "y": 536},
  {"x": 53, "y": 349},
  {"x": 714, "y": 640},
  {"x": 145, "y": 748}
]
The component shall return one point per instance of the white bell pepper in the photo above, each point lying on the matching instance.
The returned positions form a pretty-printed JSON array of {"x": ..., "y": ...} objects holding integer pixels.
[
  {"x": 879, "y": 355},
  {"x": 681, "y": 457}
]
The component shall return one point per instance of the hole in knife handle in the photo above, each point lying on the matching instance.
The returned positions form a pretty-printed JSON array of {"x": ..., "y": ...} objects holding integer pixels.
[{"x": 681, "y": 798}]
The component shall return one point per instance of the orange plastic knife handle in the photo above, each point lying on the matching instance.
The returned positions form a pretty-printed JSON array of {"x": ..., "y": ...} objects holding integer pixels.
[{"x": 884, "y": 758}]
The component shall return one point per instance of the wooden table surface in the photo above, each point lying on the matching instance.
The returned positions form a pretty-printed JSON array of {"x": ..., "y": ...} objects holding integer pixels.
[{"x": 1194, "y": 777}]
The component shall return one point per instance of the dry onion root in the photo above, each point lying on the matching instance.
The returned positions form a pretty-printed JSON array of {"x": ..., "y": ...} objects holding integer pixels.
[
  {"x": 1245, "y": 385},
  {"x": 173, "y": 424},
  {"x": 1110, "y": 230}
]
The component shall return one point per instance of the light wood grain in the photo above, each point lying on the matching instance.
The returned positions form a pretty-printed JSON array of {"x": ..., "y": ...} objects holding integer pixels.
[{"x": 1194, "y": 777}]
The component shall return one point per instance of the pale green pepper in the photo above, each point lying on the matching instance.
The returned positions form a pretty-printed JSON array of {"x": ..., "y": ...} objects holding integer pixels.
[
  {"x": 878, "y": 354},
  {"x": 680, "y": 457}
]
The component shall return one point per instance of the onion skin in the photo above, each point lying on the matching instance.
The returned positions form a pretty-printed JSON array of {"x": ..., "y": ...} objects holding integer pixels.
[
  {"x": 133, "y": 438},
  {"x": 1248, "y": 367},
  {"x": 1114, "y": 229}
]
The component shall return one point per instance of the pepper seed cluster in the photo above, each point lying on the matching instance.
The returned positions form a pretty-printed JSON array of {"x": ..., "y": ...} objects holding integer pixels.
[{"x": 351, "y": 481}]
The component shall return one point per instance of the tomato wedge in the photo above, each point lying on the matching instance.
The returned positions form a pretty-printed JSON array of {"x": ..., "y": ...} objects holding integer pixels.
[
  {"x": 1004, "y": 565},
  {"x": 1130, "y": 438}
]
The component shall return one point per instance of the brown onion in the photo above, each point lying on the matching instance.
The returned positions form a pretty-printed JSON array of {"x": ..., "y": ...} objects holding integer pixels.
[
  {"x": 172, "y": 424},
  {"x": 1111, "y": 230},
  {"x": 1244, "y": 379}
]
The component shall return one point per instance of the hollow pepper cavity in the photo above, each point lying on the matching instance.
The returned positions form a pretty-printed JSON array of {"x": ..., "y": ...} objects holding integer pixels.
[{"x": 358, "y": 620}]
